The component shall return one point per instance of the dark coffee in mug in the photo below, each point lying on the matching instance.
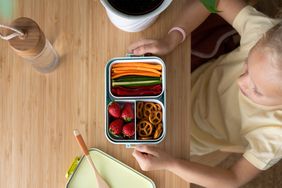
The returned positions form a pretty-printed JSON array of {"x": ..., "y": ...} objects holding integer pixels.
[{"x": 135, "y": 7}]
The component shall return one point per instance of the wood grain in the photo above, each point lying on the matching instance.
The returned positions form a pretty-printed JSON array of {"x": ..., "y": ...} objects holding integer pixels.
[{"x": 38, "y": 112}]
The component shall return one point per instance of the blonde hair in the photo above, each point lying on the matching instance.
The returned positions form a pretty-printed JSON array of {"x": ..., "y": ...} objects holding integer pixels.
[{"x": 272, "y": 40}]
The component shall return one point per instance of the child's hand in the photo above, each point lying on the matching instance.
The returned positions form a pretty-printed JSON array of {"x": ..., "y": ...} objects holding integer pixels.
[
  {"x": 152, "y": 158},
  {"x": 156, "y": 47}
]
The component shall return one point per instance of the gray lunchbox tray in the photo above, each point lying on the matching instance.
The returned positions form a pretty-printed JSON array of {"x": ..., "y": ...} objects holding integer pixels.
[{"x": 109, "y": 97}]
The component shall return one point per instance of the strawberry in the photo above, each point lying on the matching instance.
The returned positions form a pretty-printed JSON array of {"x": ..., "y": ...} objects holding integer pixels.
[
  {"x": 114, "y": 109},
  {"x": 127, "y": 113},
  {"x": 116, "y": 127},
  {"x": 128, "y": 130}
]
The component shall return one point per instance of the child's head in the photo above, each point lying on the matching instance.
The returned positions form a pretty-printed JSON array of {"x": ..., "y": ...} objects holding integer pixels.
[{"x": 261, "y": 80}]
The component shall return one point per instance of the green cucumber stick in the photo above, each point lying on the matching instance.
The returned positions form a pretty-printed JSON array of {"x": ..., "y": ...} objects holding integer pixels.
[
  {"x": 136, "y": 78},
  {"x": 136, "y": 83}
]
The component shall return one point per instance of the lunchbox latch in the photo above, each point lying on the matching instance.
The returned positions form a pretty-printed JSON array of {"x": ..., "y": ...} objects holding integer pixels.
[
  {"x": 128, "y": 146},
  {"x": 133, "y": 55},
  {"x": 72, "y": 167}
]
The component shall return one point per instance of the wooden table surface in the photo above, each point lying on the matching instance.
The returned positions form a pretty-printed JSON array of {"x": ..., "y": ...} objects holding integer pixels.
[{"x": 38, "y": 112}]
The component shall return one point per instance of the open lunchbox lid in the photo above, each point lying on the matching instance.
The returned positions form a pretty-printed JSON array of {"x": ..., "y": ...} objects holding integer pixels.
[{"x": 116, "y": 173}]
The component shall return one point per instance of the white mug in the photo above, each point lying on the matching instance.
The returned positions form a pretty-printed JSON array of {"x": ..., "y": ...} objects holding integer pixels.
[{"x": 131, "y": 23}]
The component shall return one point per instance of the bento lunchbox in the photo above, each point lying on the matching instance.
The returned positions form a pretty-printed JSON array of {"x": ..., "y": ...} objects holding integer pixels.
[{"x": 135, "y": 100}]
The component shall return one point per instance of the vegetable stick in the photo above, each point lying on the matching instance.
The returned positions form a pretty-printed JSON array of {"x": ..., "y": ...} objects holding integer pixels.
[
  {"x": 135, "y": 73},
  {"x": 136, "y": 83},
  {"x": 135, "y": 78},
  {"x": 135, "y": 69},
  {"x": 138, "y": 73},
  {"x": 137, "y": 64}
]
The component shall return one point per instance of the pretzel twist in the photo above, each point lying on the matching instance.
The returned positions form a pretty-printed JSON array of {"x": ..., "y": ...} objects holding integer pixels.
[
  {"x": 158, "y": 131},
  {"x": 146, "y": 138},
  {"x": 144, "y": 128},
  {"x": 139, "y": 113},
  {"x": 148, "y": 108},
  {"x": 159, "y": 107},
  {"x": 155, "y": 117}
]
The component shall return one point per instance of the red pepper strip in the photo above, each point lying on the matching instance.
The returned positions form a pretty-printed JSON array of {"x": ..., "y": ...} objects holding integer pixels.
[{"x": 137, "y": 91}]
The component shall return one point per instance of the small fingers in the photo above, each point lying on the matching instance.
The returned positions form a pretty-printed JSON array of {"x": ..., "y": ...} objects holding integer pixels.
[
  {"x": 149, "y": 48},
  {"x": 139, "y": 43},
  {"x": 142, "y": 47},
  {"x": 138, "y": 156},
  {"x": 148, "y": 149},
  {"x": 143, "y": 160}
]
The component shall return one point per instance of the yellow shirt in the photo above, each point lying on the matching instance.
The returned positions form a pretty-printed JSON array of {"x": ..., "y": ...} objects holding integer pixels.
[{"x": 221, "y": 115}]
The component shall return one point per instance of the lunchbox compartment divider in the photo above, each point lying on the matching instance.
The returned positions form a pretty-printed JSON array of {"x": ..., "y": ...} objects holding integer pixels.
[{"x": 135, "y": 120}]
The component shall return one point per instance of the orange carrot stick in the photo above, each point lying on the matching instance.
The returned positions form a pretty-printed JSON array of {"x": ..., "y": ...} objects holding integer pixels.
[
  {"x": 134, "y": 69},
  {"x": 137, "y": 64},
  {"x": 135, "y": 73}
]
